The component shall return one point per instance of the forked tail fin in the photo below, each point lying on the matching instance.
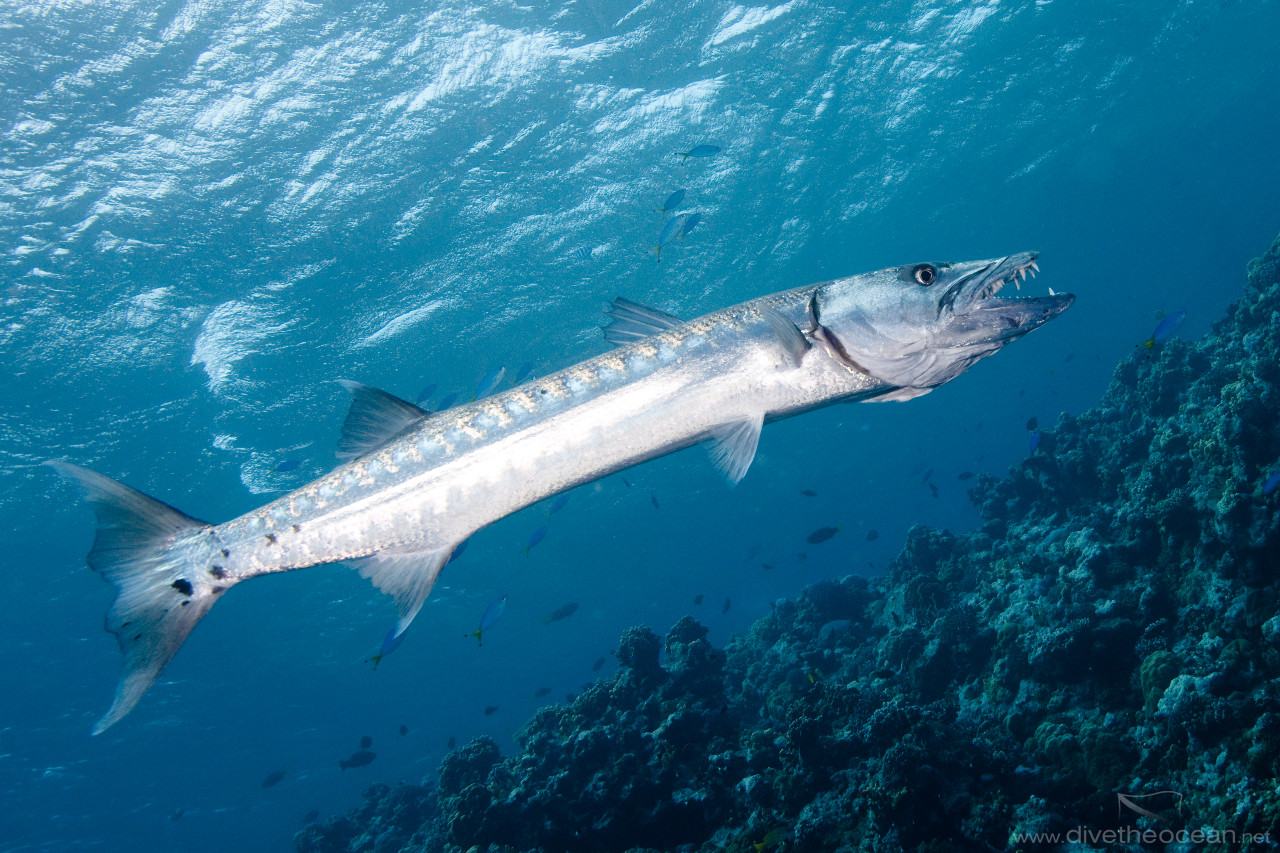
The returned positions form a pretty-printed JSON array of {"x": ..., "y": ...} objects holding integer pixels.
[{"x": 159, "y": 566}]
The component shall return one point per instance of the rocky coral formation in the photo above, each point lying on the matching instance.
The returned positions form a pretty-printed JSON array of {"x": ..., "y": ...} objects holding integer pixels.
[{"x": 1110, "y": 630}]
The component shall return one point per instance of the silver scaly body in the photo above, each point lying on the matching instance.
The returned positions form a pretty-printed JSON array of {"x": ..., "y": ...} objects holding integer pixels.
[
  {"x": 465, "y": 468},
  {"x": 421, "y": 484}
]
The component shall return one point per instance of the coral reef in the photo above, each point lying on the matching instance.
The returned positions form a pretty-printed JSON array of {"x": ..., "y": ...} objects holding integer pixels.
[{"x": 1110, "y": 630}]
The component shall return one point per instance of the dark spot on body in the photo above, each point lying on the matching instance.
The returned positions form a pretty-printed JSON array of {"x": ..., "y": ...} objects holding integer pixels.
[
  {"x": 226, "y": 553},
  {"x": 182, "y": 585},
  {"x": 297, "y": 528},
  {"x": 271, "y": 537},
  {"x": 218, "y": 572},
  {"x": 218, "y": 590},
  {"x": 185, "y": 602}
]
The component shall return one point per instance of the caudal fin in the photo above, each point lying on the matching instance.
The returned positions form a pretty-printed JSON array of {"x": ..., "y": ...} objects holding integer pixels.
[{"x": 148, "y": 550}]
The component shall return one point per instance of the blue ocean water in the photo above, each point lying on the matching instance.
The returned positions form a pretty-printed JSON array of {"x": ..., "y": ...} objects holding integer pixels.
[{"x": 212, "y": 210}]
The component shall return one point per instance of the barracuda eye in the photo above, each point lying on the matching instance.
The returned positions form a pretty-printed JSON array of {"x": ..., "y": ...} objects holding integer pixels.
[{"x": 925, "y": 274}]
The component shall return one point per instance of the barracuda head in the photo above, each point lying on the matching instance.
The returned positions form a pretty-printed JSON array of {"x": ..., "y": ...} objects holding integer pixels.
[{"x": 919, "y": 326}]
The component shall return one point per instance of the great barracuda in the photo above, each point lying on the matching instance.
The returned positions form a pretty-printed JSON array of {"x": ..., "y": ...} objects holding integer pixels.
[{"x": 414, "y": 485}]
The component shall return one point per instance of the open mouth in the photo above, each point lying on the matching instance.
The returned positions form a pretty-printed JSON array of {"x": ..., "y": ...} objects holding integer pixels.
[
  {"x": 986, "y": 281},
  {"x": 1015, "y": 271},
  {"x": 977, "y": 315}
]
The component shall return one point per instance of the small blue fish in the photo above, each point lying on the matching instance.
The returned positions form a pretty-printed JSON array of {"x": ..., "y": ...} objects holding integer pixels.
[
  {"x": 699, "y": 151},
  {"x": 287, "y": 465},
  {"x": 1272, "y": 483},
  {"x": 822, "y": 534},
  {"x": 447, "y": 401},
  {"x": 457, "y": 552},
  {"x": 672, "y": 202},
  {"x": 357, "y": 759},
  {"x": 562, "y": 612},
  {"x": 1164, "y": 330},
  {"x": 390, "y": 643},
  {"x": 536, "y": 537},
  {"x": 425, "y": 393},
  {"x": 492, "y": 614},
  {"x": 1033, "y": 441},
  {"x": 654, "y": 499},
  {"x": 582, "y": 253},
  {"x": 491, "y": 380},
  {"x": 524, "y": 371},
  {"x": 559, "y": 504},
  {"x": 668, "y": 233},
  {"x": 690, "y": 222}
]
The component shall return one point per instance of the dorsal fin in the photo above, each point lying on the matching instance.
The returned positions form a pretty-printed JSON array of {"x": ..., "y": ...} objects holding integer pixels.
[
  {"x": 375, "y": 417},
  {"x": 630, "y": 321}
]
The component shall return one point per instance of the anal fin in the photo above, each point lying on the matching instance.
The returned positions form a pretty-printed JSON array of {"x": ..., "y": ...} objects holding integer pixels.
[
  {"x": 406, "y": 577},
  {"x": 734, "y": 445}
]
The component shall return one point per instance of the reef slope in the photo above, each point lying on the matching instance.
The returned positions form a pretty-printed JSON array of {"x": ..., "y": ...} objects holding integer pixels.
[{"x": 1110, "y": 630}]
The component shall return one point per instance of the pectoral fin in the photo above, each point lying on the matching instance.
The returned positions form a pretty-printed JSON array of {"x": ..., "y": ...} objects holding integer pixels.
[
  {"x": 794, "y": 343},
  {"x": 630, "y": 321},
  {"x": 734, "y": 446},
  {"x": 375, "y": 417},
  {"x": 406, "y": 577}
]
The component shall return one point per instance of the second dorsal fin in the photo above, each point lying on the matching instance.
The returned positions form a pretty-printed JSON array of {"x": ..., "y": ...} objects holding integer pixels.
[
  {"x": 375, "y": 417},
  {"x": 630, "y": 321}
]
